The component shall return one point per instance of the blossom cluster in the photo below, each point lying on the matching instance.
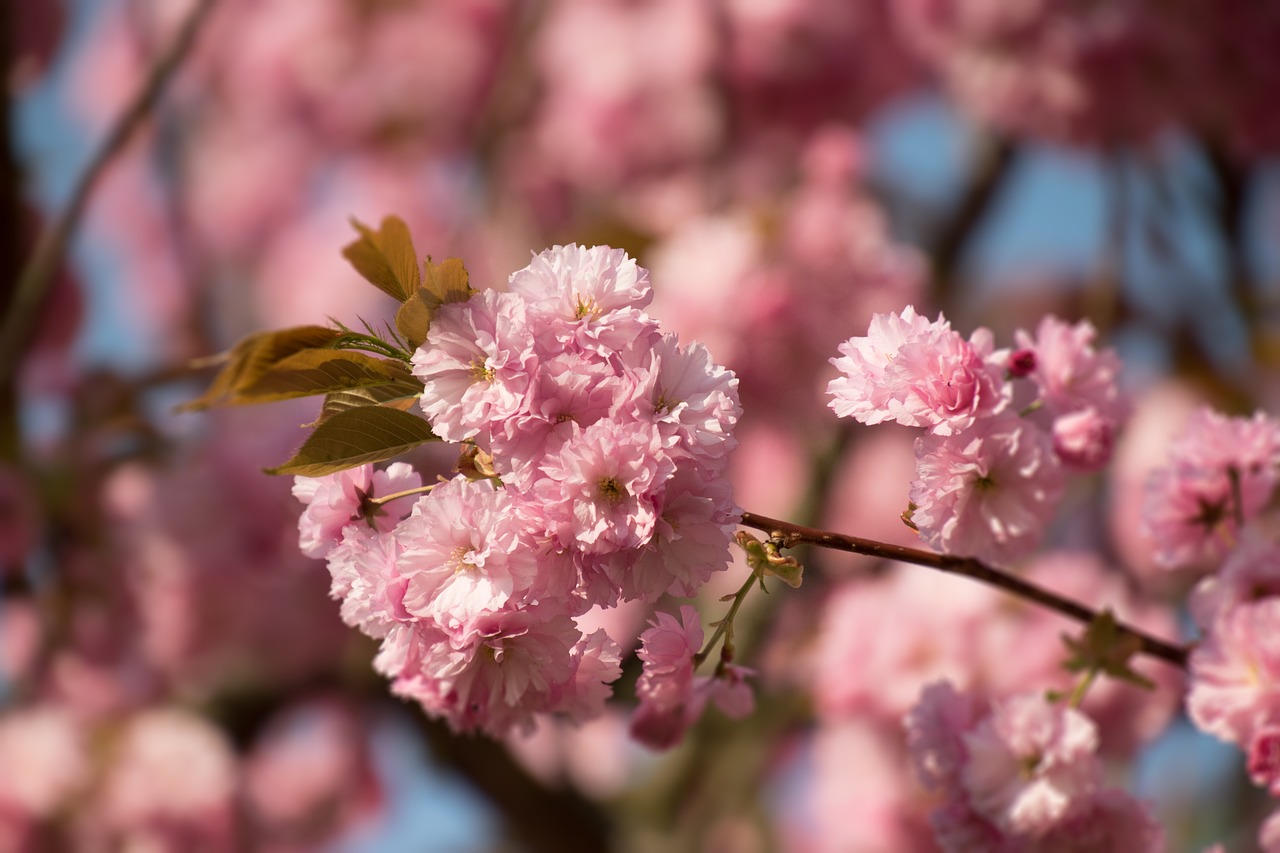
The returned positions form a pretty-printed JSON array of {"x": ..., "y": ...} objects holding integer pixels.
[
  {"x": 1207, "y": 506},
  {"x": 596, "y": 447},
  {"x": 992, "y": 463},
  {"x": 1022, "y": 774}
]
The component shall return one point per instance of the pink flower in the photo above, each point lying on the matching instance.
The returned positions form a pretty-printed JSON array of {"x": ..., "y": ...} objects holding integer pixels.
[
  {"x": 988, "y": 492},
  {"x": 495, "y": 678},
  {"x": 1070, "y": 374},
  {"x": 919, "y": 374},
  {"x": 1221, "y": 471},
  {"x": 1264, "y": 758},
  {"x": 1083, "y": 439},
  {"x": 466, "y": 552},
  {"x": 1235, "y": 672},
  {"x": 588, "y": 299},
  {"x": 691, "y": 537},
  {"x": 1030, "y": 763},
  {"x": 671, "y": 697},
  {"x": 603, "y": 491},
  {"x": 337, "y": 500},
  {"x": 691, "y": 397},
  {"x": 475, "y": 365},
  {"x": 45, "y": 757},
  {"x": 367, "y": 580},
  {"x": 1251, "y": 572}
]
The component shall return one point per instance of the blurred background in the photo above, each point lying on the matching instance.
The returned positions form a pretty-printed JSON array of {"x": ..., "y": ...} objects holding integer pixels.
[{"x": 173, "y": 675}]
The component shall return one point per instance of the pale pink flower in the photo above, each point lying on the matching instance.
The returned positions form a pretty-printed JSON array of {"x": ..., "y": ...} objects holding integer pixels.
[
  {"x": 589, "y": 299},
  {"x": 366, "y": 578},
  {"x": 671, "y": 697},
  {"x": 988, "y": 492},
  {"x": 1070, "y": 373},
  {"x": 1109, "y": 820},
  {"x": 602, "y": 492},
  {"x": 1030, "y": 763},
  {"x": 1083, "y": 439},
  {"x": 509, "y": 667},
  {"x": 919, "y": 374},
  {"x": 691, "y": 397},
  {"x": 597, "y": 663},
  {"x": 476, "y": 364},
  {"x": 1269, "y": 834},
  {"x": 1221, "y": 472},
  {"x": 570, "y": 392},
  {"x": 171, "y": 770},
  {"x": 691, "y": 537},
  {"x": 45, "y": 756},
  {"x": 465, "y": 552},
  {"x": 935, "y": 734},
  {"x": 1235, "y": 672},
  {"x": 336, "y": 500},
  {"x": 1251, "y": 572}
]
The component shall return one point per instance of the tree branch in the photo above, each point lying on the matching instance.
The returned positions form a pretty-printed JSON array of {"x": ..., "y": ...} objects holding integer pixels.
[
  {"x": 795, "y": 534},
  {"x": 39, "y": 270}
]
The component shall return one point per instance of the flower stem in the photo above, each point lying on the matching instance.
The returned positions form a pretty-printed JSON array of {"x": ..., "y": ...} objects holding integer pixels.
[
  {"x": 793, "y": 534},
  {"x": 725, "y": 628}
]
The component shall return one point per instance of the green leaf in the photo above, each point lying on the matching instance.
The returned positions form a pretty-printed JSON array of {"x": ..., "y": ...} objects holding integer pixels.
[
  {"x": 252, "y": 358},
  {"x": 444, "y": 282},
  {"x": 400, "y": 394},
  {"x": 1106, "y": 648},
  {"x": 356, "y": 436},
  {"x": 766, "y": 561},
  {"x": 320, "y": 371},
  {"x": 386, "y": 257}
]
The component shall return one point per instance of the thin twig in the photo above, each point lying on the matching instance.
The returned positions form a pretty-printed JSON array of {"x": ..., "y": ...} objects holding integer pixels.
[
  {"x": 794, "y": 534},
  {"x": 34, "y": 280}
]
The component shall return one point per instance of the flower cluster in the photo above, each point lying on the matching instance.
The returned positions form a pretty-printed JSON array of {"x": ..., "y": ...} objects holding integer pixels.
[
  {"x": 596, "y": 446},
  {"x": 1023, "y": 774},
  {"x": 991, "y": 466}
]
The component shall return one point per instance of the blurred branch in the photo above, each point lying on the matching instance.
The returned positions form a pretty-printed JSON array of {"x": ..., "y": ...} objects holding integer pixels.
[
  {"x": 35, "y": 277},
  {"x": 1232, "y": 183},
  {"x": 12, "y": 211},
  {"x": 994, "y": 162},
  {"x": 541, "y": 819},
  {"x": 794, "y": 534}
]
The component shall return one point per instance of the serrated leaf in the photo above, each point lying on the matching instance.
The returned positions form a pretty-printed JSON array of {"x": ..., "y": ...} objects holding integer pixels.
[
  {"x": 320, "y": 371},
  {"x": 400, "y": 394},
  {"x": 251, "y": 358},
  {"x": 1105, "y": 648},
  {"x": 354, "y": 437},
  {"x": 386, "y": 257},
  {"x": 442, "y": 283}
]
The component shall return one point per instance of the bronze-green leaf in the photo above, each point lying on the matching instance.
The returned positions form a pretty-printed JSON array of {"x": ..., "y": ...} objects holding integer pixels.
[
  {"x": 251, "y": 358},
  {"x": 442, "y": 283},
  {"x": 386, "y": 257},
  {"x": 401, "y": 394},
  {"x": 320, "y": 371},
  {"x": 356, "y": 436}
]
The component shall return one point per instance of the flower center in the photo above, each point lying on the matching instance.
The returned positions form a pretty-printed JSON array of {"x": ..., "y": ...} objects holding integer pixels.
[
  {"x": 480, "y": 370},
  {"x": 458, "y": 560},
  {"x": 585, "y": 308},
  {"x": 610, "y": 490}
]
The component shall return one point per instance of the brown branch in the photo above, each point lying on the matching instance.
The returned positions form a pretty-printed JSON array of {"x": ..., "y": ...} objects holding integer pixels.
[
  {"x": 795, "y": 534},
  {"x": 993, "y": 164},
  {"x": 36, "y": 276}
]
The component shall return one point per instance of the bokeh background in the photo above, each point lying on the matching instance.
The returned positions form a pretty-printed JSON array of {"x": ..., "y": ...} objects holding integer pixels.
[{"x": 173, "y": 675}]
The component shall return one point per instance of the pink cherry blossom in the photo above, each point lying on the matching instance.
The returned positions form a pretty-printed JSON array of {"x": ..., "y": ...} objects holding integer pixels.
[
  {"x": 919, "y": 374},
  {"x": 690, "y": 397},
  {"x": 586, "y": 298},
  {"x": 1083, "y": 439},
  {"x": 475, "y": 365},
  {"x": 336, "y": 500},
  {"x": 1235, "y": 672},
  {"x": 603, "y": 491},
  {"x": 1070, "y": 373},
  {"x": 988, "y": 492},
  {"x": 1030, "y": 763},
  {"x": 671, "y": 697},
  {"x": 1221, "y": 471},
  {"x": 466, "y": 552}
]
